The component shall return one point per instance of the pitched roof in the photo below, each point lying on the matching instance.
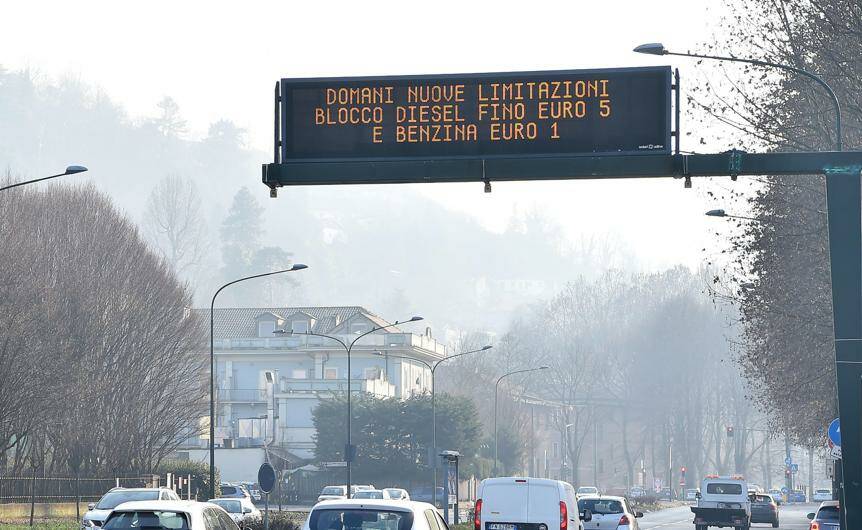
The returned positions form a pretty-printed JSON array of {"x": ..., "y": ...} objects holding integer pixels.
[{"x": 241, "y": 322}]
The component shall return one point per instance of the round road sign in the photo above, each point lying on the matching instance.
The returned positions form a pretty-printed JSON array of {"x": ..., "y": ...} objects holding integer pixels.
[
  {"x": 835, "y": 432},
  {"x": 266, "y": 477}
]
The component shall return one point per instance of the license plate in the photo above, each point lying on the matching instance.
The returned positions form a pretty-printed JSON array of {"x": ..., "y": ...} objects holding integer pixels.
[{"x": 499, "y": 526}]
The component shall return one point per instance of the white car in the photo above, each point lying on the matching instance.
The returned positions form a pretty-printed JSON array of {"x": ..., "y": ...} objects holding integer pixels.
[
  {"x": 240, "y": 510},
  {"x": 587, "y": 490},
  {"x": 176, "y": 515},
  {"x": 372, "y": 494},
  {"x": 506, "y": 503},
  {"x": 356, "y": 514},
  {"x": 397, "y": 494},
  {"x": 98, "y": 512},
  {"x": 609, "y": 512},
  {"x": 331, "y": 493},
  {"x": 691, "y": 495},
  {"x": 821, "y": 495}
]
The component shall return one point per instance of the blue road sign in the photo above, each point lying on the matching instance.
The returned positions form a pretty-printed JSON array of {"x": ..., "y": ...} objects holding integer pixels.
[
  {"x": 835, "y": 432},
  {"x": 788, "y": 461},
  {"x": 794, "y": 468},
  {"x": 784, "y": 490}
]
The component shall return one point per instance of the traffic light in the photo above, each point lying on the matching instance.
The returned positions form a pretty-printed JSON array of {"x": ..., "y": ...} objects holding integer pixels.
[{"x": 730, "y": 431}]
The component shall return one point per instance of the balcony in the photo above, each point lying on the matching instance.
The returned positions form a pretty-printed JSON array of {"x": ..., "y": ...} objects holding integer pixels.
[
  {"x": 242, "y": 395},
  {"x": 309, "y": 342},
  {"x": 377, "y": 387}
]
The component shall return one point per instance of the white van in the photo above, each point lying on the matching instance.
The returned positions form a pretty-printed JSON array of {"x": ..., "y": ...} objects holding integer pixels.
[{"x": 521, "y": 503}]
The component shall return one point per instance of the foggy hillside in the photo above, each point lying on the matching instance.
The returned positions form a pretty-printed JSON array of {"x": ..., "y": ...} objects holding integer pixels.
[{"x": 387, "y": 248}]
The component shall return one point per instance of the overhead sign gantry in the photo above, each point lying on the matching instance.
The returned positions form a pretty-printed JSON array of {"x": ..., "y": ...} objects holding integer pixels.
[{"x": 579, "y": 124}]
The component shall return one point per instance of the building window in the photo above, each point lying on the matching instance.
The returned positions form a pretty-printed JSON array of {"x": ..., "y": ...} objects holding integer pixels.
[
  {"x": 299, "y": 326},
  {"x": 265, "y": 329},
  {"x": 299, "y": 374},
  {"x": 330, "y": 373},
  {"x": 359, "y": 327}
]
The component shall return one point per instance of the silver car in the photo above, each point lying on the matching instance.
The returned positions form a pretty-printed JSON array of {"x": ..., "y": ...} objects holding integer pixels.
[{"x": 97, "y": 512}]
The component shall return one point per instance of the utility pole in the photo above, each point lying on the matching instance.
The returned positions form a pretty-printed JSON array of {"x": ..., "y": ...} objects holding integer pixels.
[{"x": 788, "y": 473}]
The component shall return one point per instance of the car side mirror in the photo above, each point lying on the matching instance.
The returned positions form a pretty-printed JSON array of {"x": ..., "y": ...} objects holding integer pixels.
[
  {"x": 697, "y": 495},
  {"x": 246, "y": 510},
  {"x": 811, "y": 516},
  {"x": 91, "y": 506},
  {"x": 586, "y": 516},
  {"x": 638, "y": 515}
]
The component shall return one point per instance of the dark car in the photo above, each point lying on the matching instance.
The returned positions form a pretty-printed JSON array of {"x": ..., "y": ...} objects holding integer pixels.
[
  {"x": 764, "y": 509},
  {"x": 826, "y": 516}
]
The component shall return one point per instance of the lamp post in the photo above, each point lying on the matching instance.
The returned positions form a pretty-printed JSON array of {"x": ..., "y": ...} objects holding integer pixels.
[
  {"x": 433, "y": 369},
  {"x": 348, "y": 449},
  {"x": 71, "y": 170},
  {"x": 657, "y": 48},
  {"x": 566, "y": 451},
  {"x": 296, "y": 267},
  {"x": 496, "y": 388}
]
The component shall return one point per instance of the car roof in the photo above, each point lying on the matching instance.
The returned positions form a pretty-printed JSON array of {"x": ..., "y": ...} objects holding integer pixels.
[
  {"x": 829, "y": 503},
  {"x": 602, "y": 497},
  {"x": 179, "y": 506},
  {"x": 375, "y": 504},
  {"x": 139, "y": 489}
]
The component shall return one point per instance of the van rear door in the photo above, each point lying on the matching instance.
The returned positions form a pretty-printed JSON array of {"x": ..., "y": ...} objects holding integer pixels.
[
  {"x": 544, "y": 504},
  {"x": 504, "y": 504}
]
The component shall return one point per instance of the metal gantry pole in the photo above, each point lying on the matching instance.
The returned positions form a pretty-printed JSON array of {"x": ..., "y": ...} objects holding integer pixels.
[{"x": 844, "y": 213}]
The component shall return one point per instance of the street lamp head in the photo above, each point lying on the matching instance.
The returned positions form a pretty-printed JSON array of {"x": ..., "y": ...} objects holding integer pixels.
[
  {"x": 652, "y": 48},
  {"x": 716, "y": 213},
  {"x": 544, "y": 367},
  {"x": 488, "y": 347},
  {"x": 284, "y": 331},
  {"x": 71, "y": 170},
  {"x": 416, "y": 319},
  {"x": 299, "y": 267}
]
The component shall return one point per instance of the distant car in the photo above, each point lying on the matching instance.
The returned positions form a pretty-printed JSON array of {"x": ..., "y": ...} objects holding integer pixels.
[
  {"x": 796, "y": 496},
  {"x": 764, "y": 509},
  {"x": 253, "y": 490},
  {"x": 173, "y": 515},
  {"x": 821, "y": 495},
  {"x": 691, "y": 495},
  {"x": 331, "y": 493},
  {"x": 233, "y": 491},
  {"x": 755, "y": 488},
  {"x": 372, "y": 494},
  {"x": 587, "y": 490},
  {"x": 826, "y": 516},
  {"x": 240, "y": 510},
  {"x": 397, "y": 494},
  {"x": 423, "y": 494},
  {"x": 608, "y": 512},
  {"x": 637, "y": 492},
  {"x": 98, "y": 512},
  {"x": 666, "y": 494},
  {"x": 374, "y": 514}
]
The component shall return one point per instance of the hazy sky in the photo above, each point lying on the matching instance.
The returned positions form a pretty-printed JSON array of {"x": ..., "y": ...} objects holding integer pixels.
[{"x": 221, "y": 60}]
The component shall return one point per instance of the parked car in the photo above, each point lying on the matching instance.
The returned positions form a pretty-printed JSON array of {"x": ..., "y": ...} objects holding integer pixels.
[
  {"x": 233, "y": 491},
  {"x": 240, "y": 510},
  {"x": 587, "y": 490},
  {"x": 636, "y": 492},
  {"x": 253, "y": 490},
  {"x": 609, "y": 512},
  {"x": 97, "y": 512},
  {"x": 372, "y": 494},
  {"x": 764, "y": 509},
  {"x": 330, "y": 493},
  {"x": 397, "y": 494},
  {"x": 666, "y": 494},
  {"x": 509, "y": 503},
  {"x": 821, "y": 495},
  {"x": 826, "y": 516},
  {"x": 174, "y": 515},
  {"x": 691, "y": 495},
  {"x": 423, "y": 494}
]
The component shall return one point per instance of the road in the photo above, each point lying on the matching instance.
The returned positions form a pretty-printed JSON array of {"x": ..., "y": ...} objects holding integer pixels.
[{"x": 792, "y": 517}]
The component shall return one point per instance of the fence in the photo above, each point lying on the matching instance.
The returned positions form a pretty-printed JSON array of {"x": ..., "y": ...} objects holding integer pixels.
[{"x": 50, "y": 490}]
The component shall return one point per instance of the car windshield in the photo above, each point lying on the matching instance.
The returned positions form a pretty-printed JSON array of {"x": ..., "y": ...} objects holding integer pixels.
[
  {"x": 720, "y": 488},
  {"x": 113, "y": 499},
  {"x": 141, "y": 520},
  {"x": 228, "y": 490},
  {"x": 394, "y": 493},
  {"x": 600, "y": 506},
  {"x": 332, "y": 490},
  {"x": 360, "y": 520},
  {"x": 587, "y": 490},
  {"x": 762, "y": 499},
  {"x": 828, "y": 514},
  {"x": 368, "y": 495},
  {"x": 230, "y": 506}
]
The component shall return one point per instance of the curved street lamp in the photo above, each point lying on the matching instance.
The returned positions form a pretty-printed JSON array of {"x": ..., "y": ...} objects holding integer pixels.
[
  {"x": 657, "y": 48},
  {"x": 348, "y": 449},
  {"x": 71, "y": 170},
  {"x": 433, "y": 369},
  {"x": 496, "y": 387},
  {"x": 296, "y": 267},
  {"x": 722, "y": 213}
]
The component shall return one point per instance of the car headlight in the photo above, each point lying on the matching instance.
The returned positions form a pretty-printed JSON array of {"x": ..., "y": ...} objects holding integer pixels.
[{"x": 86, "y": 523}]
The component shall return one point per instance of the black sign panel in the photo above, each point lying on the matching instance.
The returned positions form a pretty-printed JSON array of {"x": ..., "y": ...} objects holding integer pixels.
[
  {"x": 266, "y": 477},
  {"x": 558, "y": 113}
]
